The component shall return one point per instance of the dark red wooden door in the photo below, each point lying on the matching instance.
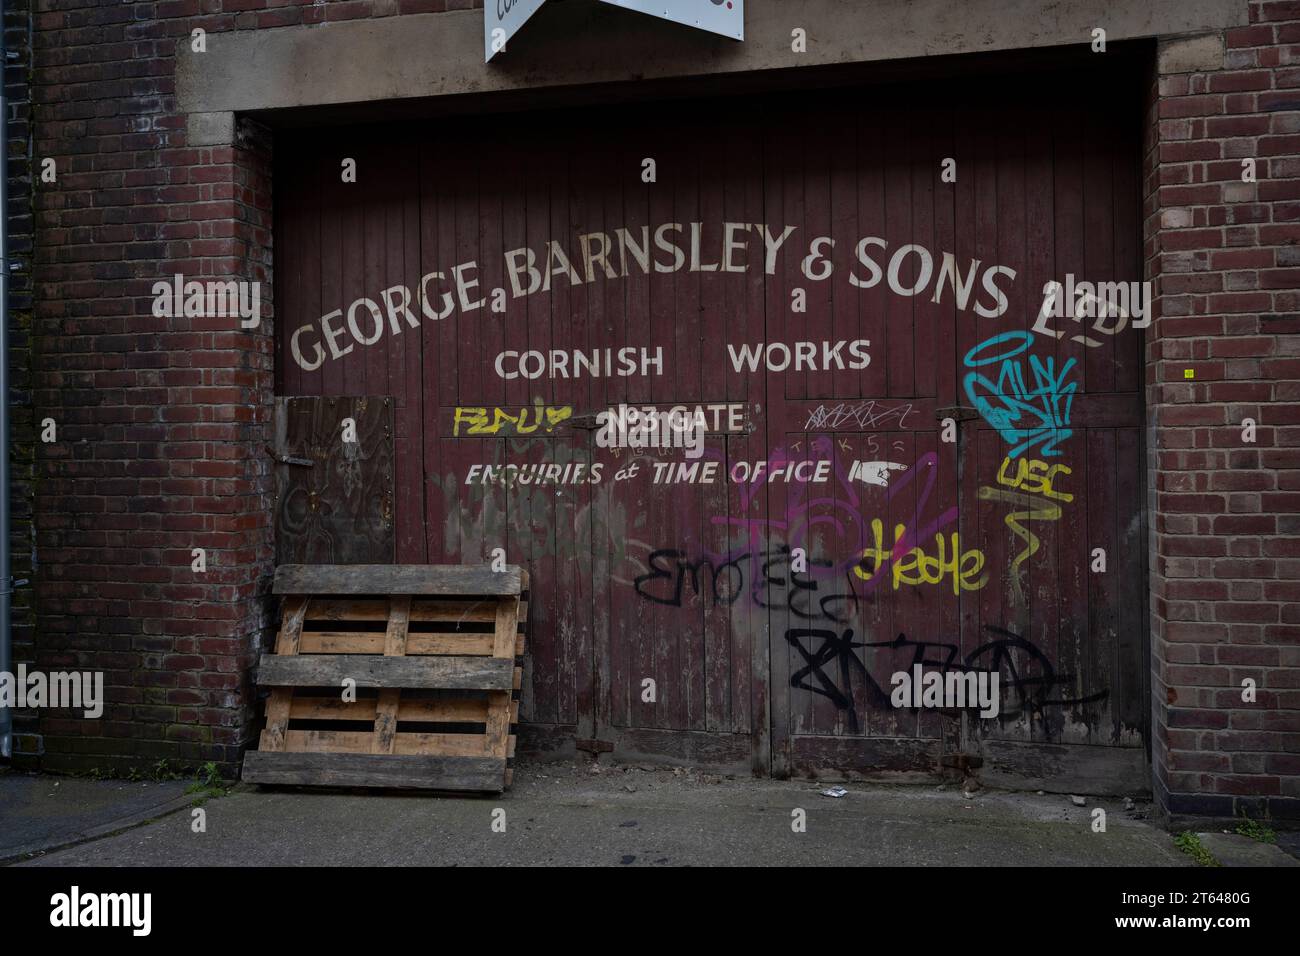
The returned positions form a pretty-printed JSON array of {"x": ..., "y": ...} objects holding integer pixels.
[{"x": 803, "y": 263}]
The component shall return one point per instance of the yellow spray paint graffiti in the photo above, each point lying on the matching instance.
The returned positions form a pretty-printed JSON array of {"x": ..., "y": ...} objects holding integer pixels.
[
  {"x": 962, "y": 568},
  {"x": 508, "y": 421},
  {"x": 1032, "y": 477}
]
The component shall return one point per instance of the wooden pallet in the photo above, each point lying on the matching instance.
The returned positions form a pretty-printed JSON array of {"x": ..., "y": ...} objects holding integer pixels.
[{"x": 436, "y": 654}]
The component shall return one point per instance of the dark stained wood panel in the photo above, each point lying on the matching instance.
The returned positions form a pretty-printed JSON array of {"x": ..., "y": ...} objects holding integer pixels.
[
  {"x": 672, "y": 611},
  {"x": 334, "y": 499}
]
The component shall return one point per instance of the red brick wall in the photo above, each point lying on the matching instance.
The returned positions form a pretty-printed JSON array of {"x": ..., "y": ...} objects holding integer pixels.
[
  {"x": 1225, "y": 580},
  {"x": 18, "y": 138},
  {"x": 161, "y": 422}
]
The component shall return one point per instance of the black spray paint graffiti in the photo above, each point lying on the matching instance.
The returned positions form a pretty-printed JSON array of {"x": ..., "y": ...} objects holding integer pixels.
[
  {"x": 727, "y": 572},
  {"x": 724, "y": 582},
  {"x": 1030, "y": 682}
]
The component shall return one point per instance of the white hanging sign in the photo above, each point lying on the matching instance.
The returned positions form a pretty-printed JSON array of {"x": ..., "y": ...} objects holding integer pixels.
[
  {"x": 501, "y": 20},
  {"x": 725, "y": 17}
]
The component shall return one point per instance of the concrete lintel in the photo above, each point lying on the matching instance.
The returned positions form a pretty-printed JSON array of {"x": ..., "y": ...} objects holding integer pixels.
[
  {"x": 1197, "y": 54},
  {"x": 210, "y": 129},
  {"x": 441, "y": 54}
]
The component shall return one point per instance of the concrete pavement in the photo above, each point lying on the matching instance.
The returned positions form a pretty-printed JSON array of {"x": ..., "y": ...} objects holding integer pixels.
[
  {"x": 40, "y": 813},
  {"x": 567, "y": 814}
]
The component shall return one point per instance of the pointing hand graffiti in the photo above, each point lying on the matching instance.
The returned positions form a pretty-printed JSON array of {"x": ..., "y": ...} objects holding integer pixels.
[{"x": 874, "y": 472}]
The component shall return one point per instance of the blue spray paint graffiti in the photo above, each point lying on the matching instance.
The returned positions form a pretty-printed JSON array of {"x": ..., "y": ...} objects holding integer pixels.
[{"x": 1023, "y": 416}]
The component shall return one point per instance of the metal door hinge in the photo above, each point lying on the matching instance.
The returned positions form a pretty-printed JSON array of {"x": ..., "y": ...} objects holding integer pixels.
[{"x": 290, "y": 460}]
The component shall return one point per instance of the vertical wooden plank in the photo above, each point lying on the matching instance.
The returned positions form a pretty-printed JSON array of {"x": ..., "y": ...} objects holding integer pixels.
[
  {"x": 588, "y": 317},
  {"x": 477, "y": 503},
  {"x": 582, "y": 575},
  {"x": 655, "y": 630},
  {"x": 495, "y": 182},
  {"x": 609, "y": 548},
  {"x": 998, "y": 602},
  {"x": 776, "y": 305},
  {"x": 352, "y": 264},
  {"x": 925, "y": 605},
  {"x": 406, "y": 367},
  {"x": 498, "y": 180},
  {"x": 333, "y": 286},
  {"x": 286, "y": 643},
  {"x": 371, "y": 190},
  {"x": 750, "y": 634},
  {"x": 1103, "y": 590},
  {"x": 554, "y": 570},
  {"x": 925, "y": 171},
  {"x": 681, "y": 626},
  {"x": 844, "y": 229},
  {"x": 698, "y": 298},
  {"x": 915, "y": 506},
  {"x": 822, "y": 714},
  {"x": 528, "y": 201},
  {"x": 295, "y": 612},
  {"x": 945, "y": 383},
  {"x": 1098, "y": 242},
  {"x": 291, "y": 226},
  {"x": 315, "y": 303},
  {"x": 503, "y": 646},
  {"x": 818, "y": 323},
  {"x": 900, "y": 344},
  {"x": 532, "y": 508},
  {"x": 872, "y": 296},
  {"x": 1129, "y": 675},
  {"x": 399, "y": 619},
  {"x": 472, "y": 369},
  {"x": 505, "y": 627},
  {"x": 628, "y": 541},
  {"x": 709, "y": 691},
  {"x": 557, "y": 568},
  {"x": 1042, "y": 571},
  {"x": 1071, "y": 215},
  {"x": 438, "y": 384},
  {"x": 1025, "y": 617},
  {"x": 947, "y": 317},
  {"x": 972, "y": 521},
  {"x": 853, "y": 507},
  {"x": 1124, "y": 132}
]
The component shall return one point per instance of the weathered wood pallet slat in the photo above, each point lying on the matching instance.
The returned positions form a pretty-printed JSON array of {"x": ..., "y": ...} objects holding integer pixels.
[
  {"x": 433, "y": 655},
  {"x": 361, "y": 642},
  {"x": 376, "y": 770},
  {"x": 426, "y": 610},
  {"x": 369, "y": 670},
  {"x": 363, "y": 742},
  {"x": 409, "y": 579},
  {"x": 452, "y": 711}
]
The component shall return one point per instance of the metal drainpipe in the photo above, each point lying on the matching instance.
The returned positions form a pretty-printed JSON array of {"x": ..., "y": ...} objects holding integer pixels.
[{"x": 6, "y": 571}]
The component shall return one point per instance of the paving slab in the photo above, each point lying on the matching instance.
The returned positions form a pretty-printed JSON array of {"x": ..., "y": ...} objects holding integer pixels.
[
  {"x": 40, "y": 813},
  {"x": 1233, "y": 849}
]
